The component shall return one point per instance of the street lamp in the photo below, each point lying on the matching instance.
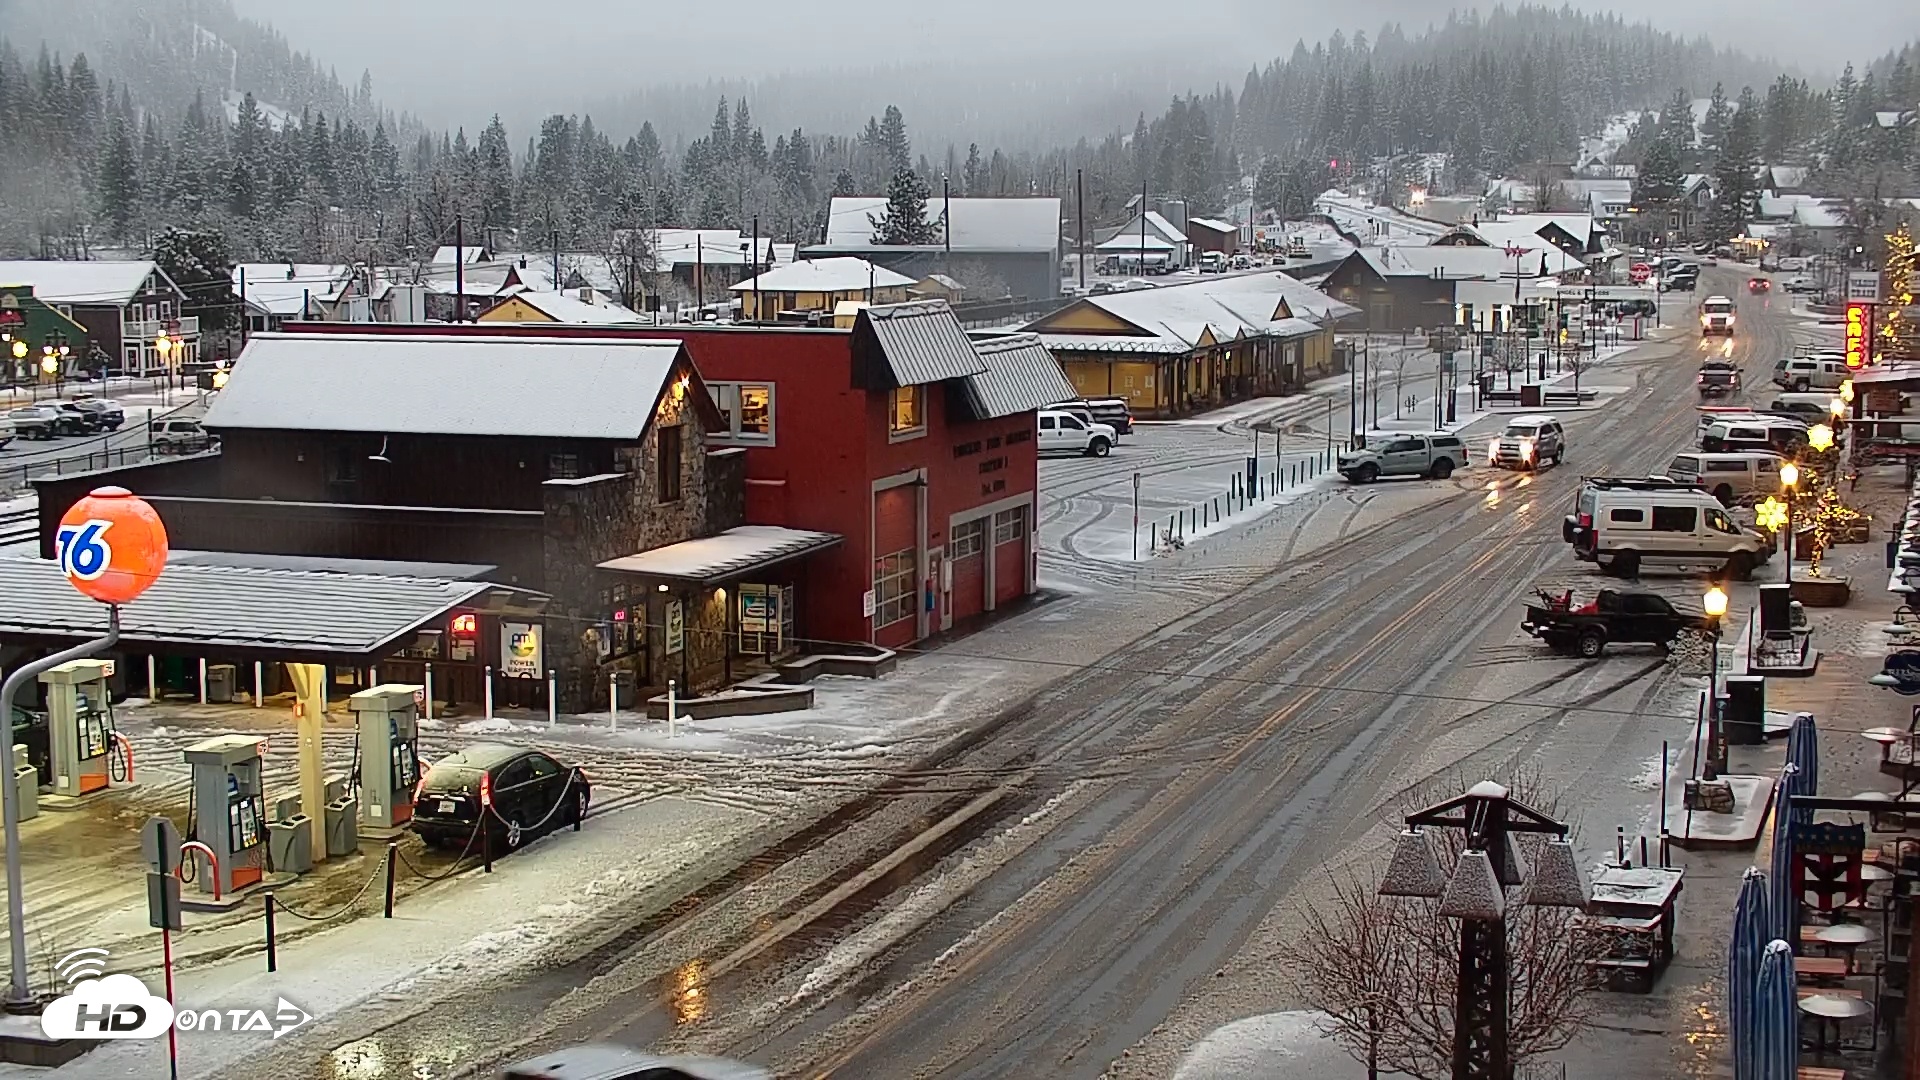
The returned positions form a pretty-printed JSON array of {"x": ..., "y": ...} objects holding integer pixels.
[
  {"x": 1714, "y": 603},
  {"x": 1789, "y": 476},
  {"x": 1475, "y": 893}
]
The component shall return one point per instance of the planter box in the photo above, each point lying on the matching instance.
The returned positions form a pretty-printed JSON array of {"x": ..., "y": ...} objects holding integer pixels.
[{"x": 1822, "y": 591}]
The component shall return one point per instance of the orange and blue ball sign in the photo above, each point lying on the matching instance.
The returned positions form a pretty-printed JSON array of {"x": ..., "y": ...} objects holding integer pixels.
[{"x": 112, "y": 545}]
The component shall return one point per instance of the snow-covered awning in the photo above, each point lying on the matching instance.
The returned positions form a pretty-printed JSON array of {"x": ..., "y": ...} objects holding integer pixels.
[{"x": 711, "y": 560}]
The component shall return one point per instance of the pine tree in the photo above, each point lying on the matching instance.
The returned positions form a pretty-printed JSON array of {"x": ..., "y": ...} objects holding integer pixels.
[
  {"x": 896, "y": 151},
  {"x": 1713, "y": 125},
  {"x": 119, "y": 181},
  {"x": 1676, "y": 122},
  {"x": 972, "y": 178},
  {"x": 905, "y": 219},
  {"x": 1736, "y": 185}
]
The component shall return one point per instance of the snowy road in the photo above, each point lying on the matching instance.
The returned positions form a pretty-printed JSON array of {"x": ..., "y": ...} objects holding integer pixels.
[{"x": 1059, "y": 889}]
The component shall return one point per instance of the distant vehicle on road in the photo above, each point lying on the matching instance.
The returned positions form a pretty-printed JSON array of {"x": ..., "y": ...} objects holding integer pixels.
[
  {"x": 1803, "y": 373},
  {"x": 1716, "y": 317},
  {"x": 605, "y": 1062},
  {"x": 1212, "y": 262},
  {"x": 1061, "y": 431},
  {"x": 1730, "y": 477},
  {"x": 1801, "y": 283},
  {"x": 41, "y": 422},
  {"x": 1717, "y": 378},
  {"x": 1757, "y": 285},
  {"x": 1434, "y": 455},
  {"x": 1771, "y": 434},
  {"x": 1112, "y": 412},
  {"x": 180, "y": 437},
  {"x": 512, "y": 792},
  {"x": 1679, "y": 282},
  {"x": 1527, "y": 442},
  {"x": 80, "y": 421},
  {"x": 1618, "y": 617},
  {"x": 1102, "y": 288},
  {"x": 109, "y": 416}
]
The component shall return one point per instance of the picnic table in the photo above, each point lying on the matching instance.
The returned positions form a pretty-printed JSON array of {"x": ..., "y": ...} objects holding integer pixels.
[{"x": 1629, "y": 923}]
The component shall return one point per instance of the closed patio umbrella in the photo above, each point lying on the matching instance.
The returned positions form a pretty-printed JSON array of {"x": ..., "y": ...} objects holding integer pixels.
[
  {"x": 1750, "y": 930},
  {"x": 1783, "y": 909},
  {"x": 1776, "y": 1016},
  {"x": 1803, "y": 752}
]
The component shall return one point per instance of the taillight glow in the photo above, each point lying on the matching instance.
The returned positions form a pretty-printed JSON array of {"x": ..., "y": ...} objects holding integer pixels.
[
  {"x": 486, "y": 790},
  {"x": 1586, "y": 521}
]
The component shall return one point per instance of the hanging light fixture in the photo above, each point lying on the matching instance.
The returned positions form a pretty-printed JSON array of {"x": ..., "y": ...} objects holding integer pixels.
[
  {"x": 1414, "y": 870},
  {"x": 1557, "y": 881},
  {"x": 1472, "y": 891}
]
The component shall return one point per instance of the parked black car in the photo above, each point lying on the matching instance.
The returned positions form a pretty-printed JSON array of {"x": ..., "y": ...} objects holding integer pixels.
[
  {"x": 108, "y": 415},
  {"x": 530, "y": 793}
]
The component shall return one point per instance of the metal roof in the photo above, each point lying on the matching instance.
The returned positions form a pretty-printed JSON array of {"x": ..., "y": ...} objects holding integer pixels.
[
  {"x": 977, "y": 224},
  {"x": 712, "y": 559},
  {"x": 568, "y": 388},
  {"x": 1113, "y": 343},
  {"x": 843, "y": 274},
  {"x": 1021, "y": 376},
  {"x": 227, "y": 608},
  {"x": 921, "y": 342},
  {"x": 81, "y": 281}
]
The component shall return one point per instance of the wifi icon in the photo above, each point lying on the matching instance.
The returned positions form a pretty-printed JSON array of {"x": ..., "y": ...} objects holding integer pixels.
[{"x": 82, "y": 964}]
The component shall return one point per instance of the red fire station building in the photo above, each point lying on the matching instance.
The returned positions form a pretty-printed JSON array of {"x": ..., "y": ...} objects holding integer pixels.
[{"x": 903, "y": 435}]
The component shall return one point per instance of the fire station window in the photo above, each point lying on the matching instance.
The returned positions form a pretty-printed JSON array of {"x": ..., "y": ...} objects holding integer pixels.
[
  {"x": 1009, "y": 525},
  {"x": 1675, "y": 518},
  {"x": 748, "y": 409},
  {"x": 669, "y": 463},
  {"x": 969, "y": 537},
  {"x": 563, "y": 466},
  {"x": 893, "y": 588},
  {"x": 908, "y": 415}
]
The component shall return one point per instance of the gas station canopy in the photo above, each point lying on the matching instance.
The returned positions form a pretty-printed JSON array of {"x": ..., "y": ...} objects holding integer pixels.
[{"x": 295, "y": 615}]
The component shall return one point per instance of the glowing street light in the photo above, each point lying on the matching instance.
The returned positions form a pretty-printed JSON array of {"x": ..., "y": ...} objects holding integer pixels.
[
  {"x": 19, "y": 350},
  {"x": 1846, "y": 391},
  {"x": 50, "y": 364},
  {"x": 1836, "y": 407},
  {"x": 1790, "y": 476},
  {"x": 1820, "y": 438},
  {"x": 163, "y": 345},
  {"x": 1715, "y": 602}
]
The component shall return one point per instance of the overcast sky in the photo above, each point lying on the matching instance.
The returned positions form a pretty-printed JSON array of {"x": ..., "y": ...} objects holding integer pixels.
[{"x": 453, "y": 60}]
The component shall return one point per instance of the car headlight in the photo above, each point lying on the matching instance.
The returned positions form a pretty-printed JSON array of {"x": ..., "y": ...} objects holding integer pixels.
[
  {"x": 1493, "y": 449},
  {"x": 1526, "y": 449}
]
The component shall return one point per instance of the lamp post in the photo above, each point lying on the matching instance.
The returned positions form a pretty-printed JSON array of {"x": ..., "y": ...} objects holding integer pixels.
[
  {"x": 1475, "y": 893},
  {"x": 1714, "y": 603},
  {"x": 1789, "y": 476}
]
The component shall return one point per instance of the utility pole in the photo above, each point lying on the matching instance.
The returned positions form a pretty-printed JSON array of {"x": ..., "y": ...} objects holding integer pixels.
[
  {"x": 699, "y": 277},
  {"x": 553, "y": 235},
  {"x": 243, "y": 307},
  {"x": 459, "y": 270},
  {"x": 946, "y": 222},
  {"x": 1080, "y": 237},
  {"x": 1143, "y": 226},
  {"x": 755, "y": 256}
]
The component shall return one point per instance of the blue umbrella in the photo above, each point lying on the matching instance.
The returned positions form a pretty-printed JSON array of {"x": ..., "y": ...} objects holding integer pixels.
[
  {"x": 1776, "y": 1016},
  {"x": 1750, "y": 931},
  {"x": 1783, "y": 908},
  {"x": 1803, "y": 751}
]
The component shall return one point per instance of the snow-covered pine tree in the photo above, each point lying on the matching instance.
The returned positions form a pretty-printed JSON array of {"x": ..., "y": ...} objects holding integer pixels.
[{"x": 904, "y": 221}]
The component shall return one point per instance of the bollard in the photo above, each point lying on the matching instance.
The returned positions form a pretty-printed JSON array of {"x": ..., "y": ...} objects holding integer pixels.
[
  {"x": 258, "y": 682},
  {"x": 553, "y": 698},
  {"x": 427, "y": 702},
  {"x": 273, "y": 954},
  {"x": 673, "y": 721},
  {"x": 203, "y": 680},
  {"x": 488, "y": 676},
  {"x": 613, "y": 702},
  {"x": 393, "y": 856},
  {"x": 153, "y": 692},
  {"x": 486, "y": 843},
  {"x": 1216, "y": 508}
]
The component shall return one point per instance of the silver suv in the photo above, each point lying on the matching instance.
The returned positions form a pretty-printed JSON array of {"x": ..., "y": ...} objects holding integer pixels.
[
  {"x": 1527, "y": 442},
  {"x": 180, "y": 437},
  {"x": 1435, "y": 455}
]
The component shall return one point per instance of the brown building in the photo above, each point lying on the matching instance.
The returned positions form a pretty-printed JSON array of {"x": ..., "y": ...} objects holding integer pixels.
[
  {"x": 538, "y": 464},
  {"x": 1212, "y": 234},
  {"x": 127, "y": 307}
]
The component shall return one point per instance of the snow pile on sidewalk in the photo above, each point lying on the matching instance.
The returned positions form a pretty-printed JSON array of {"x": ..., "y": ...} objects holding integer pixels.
[{"x": 1273, "y": 1046}]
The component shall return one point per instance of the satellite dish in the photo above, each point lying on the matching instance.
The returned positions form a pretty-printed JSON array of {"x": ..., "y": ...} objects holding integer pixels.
[{"x": 381, "y": 457}]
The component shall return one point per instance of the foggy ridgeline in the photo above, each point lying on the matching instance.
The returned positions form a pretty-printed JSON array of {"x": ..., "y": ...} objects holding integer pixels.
[{"x": 115, "y": 124}]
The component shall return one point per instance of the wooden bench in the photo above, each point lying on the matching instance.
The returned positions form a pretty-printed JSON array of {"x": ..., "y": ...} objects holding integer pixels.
[
  {"x": 1811, "y": 1072},
  {"x": 1817, "y": 968},
  {"x": 1501, "y": 397}
]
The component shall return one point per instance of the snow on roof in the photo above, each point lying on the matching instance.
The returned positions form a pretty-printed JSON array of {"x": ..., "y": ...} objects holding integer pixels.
[
  {"x": 1245, "y": 304},
  {"x": 1212, "y": 223},
  {"x": 1466, "y": 261},
  {"x": 841, "y": 274},
  {"x": 60, "y": 281},
  {"x": 567, "y": 308},
  {"x": 1820, "y": 214},
  {"x": 1788, "y": 176},
  {"x": 284, "y": 288},
  {"x": 944, "y": 282},
  {"x": 1892, "y": 119},
  {"x": 573, "y": 388},
  {"x": 1024, "y": 224},
  {"x": 710, "y": 559},
  {"x": 449, "y": 255},
  {"x": 1133, "y": 241}
]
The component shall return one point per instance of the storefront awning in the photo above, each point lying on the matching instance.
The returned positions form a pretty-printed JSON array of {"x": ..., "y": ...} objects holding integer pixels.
[
  {"x": 229, "y": 611},
  {"x": 735, "y": 553}
]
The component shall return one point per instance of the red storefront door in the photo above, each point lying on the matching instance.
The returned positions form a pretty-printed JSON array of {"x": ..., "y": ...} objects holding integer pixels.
[
  {"x": 1009, "y": 555},
  {"x": 968, "y": 555}
]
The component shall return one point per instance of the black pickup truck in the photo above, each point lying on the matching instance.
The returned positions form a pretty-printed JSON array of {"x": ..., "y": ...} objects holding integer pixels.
[
  {"x": 1642, "y": 618},
  {"x": 1717, "y": 378}
]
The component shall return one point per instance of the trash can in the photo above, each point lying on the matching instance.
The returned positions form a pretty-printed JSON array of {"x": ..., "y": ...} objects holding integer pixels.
[
  {"x": 290, "y": 844},
  {"x": 26, "y": 780},
  {"x": 1743, "y": 711},
  {"x": 343, "y": 826},
  {"x": 221, "y": 679}
]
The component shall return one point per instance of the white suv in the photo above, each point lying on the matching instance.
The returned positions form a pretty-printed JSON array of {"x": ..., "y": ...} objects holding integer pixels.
[
  {"x": 1062, "y": 431},
  {"x": 1527, "y": 442}
]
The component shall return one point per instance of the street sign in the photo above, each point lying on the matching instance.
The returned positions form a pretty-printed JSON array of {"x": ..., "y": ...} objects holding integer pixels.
[
  {"x": 160, "y": 845},
  {"x": 163, "y": 901},
  {"x": 1863, "y": 286}
]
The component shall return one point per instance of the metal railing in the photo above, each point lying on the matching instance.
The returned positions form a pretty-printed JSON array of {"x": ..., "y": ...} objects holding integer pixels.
[{"x": 149, "y": 329}]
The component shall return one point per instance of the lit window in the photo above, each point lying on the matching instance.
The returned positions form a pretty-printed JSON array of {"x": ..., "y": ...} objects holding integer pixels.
[
  {"x": 908, "y": 415},
  {"x": 747, "y": 409},
  {"x": 893, "y": 588}
]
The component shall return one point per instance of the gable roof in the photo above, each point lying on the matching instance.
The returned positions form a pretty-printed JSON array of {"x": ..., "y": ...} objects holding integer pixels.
[
  {"x": 566, "y": 308},
  {"x": 282, "y": 288},
  {"x": 976, "y": 224},
  {"x": 1186, "y": 315},
  {"x": 1021, "y": 376},
  {"x": 844, "y": 273},
  {"x": 1465, "y": 261},
  {"x": 571, "y": 388},
  {"x": 450, "y": 255},
  {"x": 74, "y": 281},
  {"x": 1213, "y": 225},
  {"x": 912, "y": 344}
]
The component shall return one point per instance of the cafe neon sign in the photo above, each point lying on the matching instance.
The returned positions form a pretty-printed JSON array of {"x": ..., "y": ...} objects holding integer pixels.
[{"x": 1857, "y": 336}]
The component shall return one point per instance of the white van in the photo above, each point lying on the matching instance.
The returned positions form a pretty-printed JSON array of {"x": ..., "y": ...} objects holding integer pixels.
[
  {"x": 1771, "y": 434},
  {"x": 1804, "y": 373},
  {"x": 1815, "y": 407},
  {"x": 1616, "y": 523},
  {"x": 1731, "y": 477}
]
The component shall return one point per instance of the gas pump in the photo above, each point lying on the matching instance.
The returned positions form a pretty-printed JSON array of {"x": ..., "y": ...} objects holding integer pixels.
[
  {"x": 389, "y": 762},
  {"x": 229, "y": 813},
  {"x": 79, "y": 730}
]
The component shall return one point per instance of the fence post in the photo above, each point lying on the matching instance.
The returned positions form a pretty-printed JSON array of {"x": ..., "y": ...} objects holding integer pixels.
[
  {"x": 393, "y": 850},
  {"x": 273, "y": 954}
]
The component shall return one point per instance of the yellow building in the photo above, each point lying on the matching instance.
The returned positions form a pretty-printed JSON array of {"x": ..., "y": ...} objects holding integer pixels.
[
  {"x": 818, "y": 286},
  {"x": 558, "y": 307},
  {"x": 1183, "y": 348}
]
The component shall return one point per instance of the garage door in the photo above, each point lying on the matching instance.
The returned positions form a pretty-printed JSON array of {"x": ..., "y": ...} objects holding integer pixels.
[
  {"x": 967, "y": 554},
  {"x": 1009, "y": 555}
]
